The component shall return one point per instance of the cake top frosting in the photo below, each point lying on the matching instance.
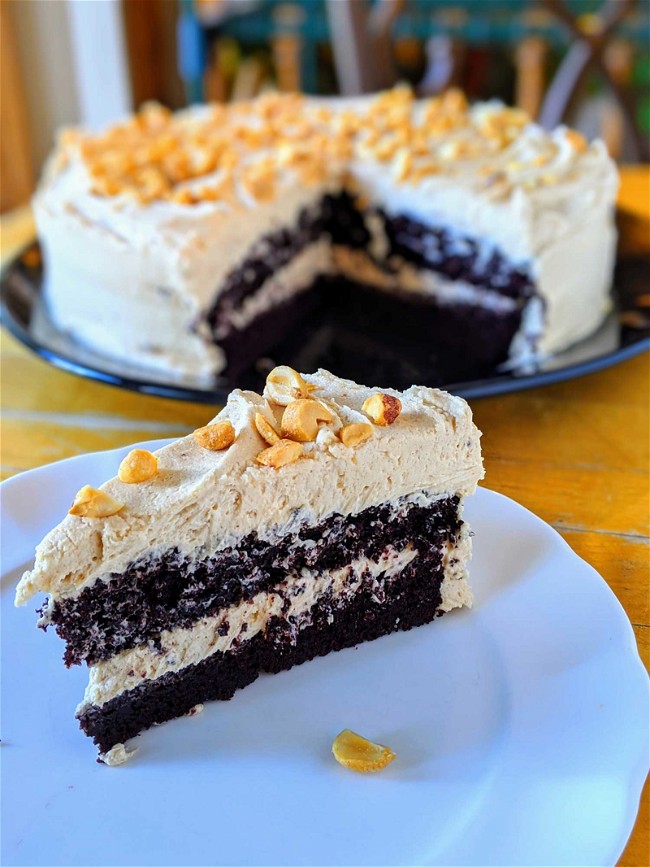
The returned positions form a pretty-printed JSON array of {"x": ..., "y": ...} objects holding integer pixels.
[
  {"x": 240, "y": 154},
  {"x": 311, "y": 446}
]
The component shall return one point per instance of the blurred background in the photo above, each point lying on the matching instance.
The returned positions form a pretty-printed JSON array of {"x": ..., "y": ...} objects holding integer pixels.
[{"x": 585, "y": 62}]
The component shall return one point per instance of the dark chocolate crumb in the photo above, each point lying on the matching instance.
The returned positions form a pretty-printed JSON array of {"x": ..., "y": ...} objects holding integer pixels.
[{"x": 169, "y": 591}]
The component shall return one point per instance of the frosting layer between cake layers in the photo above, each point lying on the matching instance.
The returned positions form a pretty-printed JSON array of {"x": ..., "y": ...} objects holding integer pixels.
[
  {"x": 292, "y": 600},
  {"x": 157, "y": 593},
  {"x": 404, "y": 599},
  {"x": 304, "y": 617}
]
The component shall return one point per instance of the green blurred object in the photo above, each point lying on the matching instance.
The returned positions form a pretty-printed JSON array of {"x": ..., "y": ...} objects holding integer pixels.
[{"x": 490, "y": 29}]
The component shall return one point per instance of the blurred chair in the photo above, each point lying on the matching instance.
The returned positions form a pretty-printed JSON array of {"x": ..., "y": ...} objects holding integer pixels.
[
  {"x": 362, "y": 43},
  {"x": 363, "y": 52},
  {"x": 531, "y": 57},
  {"x": 591, "y": 36},
  {"x": 619, "y": 59}
]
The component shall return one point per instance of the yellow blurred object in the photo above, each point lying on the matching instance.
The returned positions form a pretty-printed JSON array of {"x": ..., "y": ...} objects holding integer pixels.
[
  {"x": 590, "y": 23},
  {"x": 359, "y": 754},
  {"x": 633, "y": 210}
]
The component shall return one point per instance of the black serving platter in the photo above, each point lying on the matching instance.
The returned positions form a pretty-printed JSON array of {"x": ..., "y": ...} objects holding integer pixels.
[{"x": 332, "y": 344}]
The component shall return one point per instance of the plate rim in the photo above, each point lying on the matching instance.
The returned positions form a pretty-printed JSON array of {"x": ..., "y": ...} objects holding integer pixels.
[
  {"x": 634, "y": 777},
  {"x": 490, "y": 386}
]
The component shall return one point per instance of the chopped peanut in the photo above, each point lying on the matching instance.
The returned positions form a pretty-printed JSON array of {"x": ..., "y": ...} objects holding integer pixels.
[
  {"x": 577, "y": 141},
  {"x": 383, "y": 409},
  {"x": 284, "y": 384},
  {"x": 353, "y": 434},
  {"x": 215, "y": 437},
  {"x": 359, "y": 754},
  {"x": 91, "y": 503},
  {"x": 301, "y": 418},
  {"x": 280, "y": 454},
  {"x": 138, "y": 466},
  {"x": 402, "y": 164},
  {"x": 266, "y": 430}
]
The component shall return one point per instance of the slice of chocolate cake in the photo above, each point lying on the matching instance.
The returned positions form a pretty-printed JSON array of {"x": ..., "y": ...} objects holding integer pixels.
[{"x": 311, "y": 518}]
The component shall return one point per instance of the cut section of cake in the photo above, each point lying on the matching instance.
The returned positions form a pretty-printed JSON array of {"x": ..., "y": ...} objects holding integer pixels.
[{"x": 316, "y": 516}]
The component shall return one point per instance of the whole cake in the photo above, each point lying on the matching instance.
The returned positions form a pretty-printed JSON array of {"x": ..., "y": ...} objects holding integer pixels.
[
  {"x": 190, "y": 243},
  {"x": 305, "y": 520}
]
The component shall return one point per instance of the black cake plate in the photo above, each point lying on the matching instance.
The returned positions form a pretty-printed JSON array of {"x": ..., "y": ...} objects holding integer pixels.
[{"x": 336, "y": 342}]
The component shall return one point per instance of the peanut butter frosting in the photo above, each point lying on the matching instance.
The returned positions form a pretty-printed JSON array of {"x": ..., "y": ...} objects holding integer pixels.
[
  {"x": 208, "y": 492},
  {"x": 241, "y": 154}
]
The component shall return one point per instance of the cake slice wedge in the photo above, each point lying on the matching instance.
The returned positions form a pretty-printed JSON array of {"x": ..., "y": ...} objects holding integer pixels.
[{"x": 310, "y": 518}]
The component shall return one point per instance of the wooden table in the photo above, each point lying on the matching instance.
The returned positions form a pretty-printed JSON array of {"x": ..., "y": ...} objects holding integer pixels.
[{"x": 575, "y": 453}]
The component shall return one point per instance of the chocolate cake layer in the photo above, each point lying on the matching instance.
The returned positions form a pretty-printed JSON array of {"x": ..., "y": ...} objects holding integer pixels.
[
  {"x": 172, "y": 590},
  {"x": 360, "y": 333},
  {"x": 268, "y": 256},
  {"x": 335, "y": 216},
  {"x": 344, "y": 223},
  {"x": 435, "y": 249},
  {"x": 410, "y": 599},
  {"x": 443, "y": 342},
  {"x": 284, "y": 323},
  {"x": 457, "y": 258},
  {"x": 384, "y": 338}
]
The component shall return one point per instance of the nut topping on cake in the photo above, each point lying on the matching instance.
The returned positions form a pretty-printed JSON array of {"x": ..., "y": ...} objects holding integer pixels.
[
  {"x": 301, "y": 418},
  {"x": 138, "y": 466},
  {"x": 454, "y": 101},
  {"x": 215, "y": 437},
  {"x": 280, "y": 454},
  {"x": 284, "y": 384},
  {"x": 259, "y": 181},
  {"x": 91, "y": 503},
  {"x": 353, "y": 434},
  {"x": 383, "y": 409},
  {"x": 359, "y": 754},
  {"x": 155, "y": 155},
  {"x": 266, "y": 430},
  {"x": 402, "y": 164},
  {"x": 577, "y": 141}
]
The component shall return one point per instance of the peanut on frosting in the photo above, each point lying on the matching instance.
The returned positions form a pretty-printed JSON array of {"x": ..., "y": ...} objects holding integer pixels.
[
  {"x": 138, "y": 466},
  {"x": 157, "y": 155},
  {"x": 259, "y": 181},
  {"x": 93, "y": 503},
  {"x": 301, "y": 419},
  {"x": 282, "y": 453},
  {"x": 577, "y": 141},
  {"x": 215, "y": 437},
  {"x": 383, "y": 409},
  {"x": 353, "y": 434},
  {"x": 266, "y": 430},
  {"x": 284, "y": 384}
]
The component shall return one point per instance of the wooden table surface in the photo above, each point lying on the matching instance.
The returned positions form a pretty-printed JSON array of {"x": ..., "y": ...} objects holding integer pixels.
[{"x": 575, "y": 453}]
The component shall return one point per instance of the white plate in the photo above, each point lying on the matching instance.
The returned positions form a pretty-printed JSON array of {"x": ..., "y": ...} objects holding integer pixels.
[{"x": 520, "y": 728}]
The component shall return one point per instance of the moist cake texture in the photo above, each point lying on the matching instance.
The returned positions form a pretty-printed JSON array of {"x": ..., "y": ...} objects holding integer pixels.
[
  {"x": 233, "y": 557},
  {"x": 190, "y": 243}
]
